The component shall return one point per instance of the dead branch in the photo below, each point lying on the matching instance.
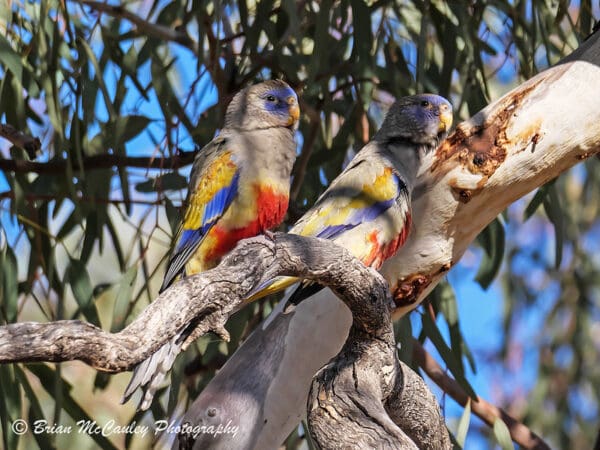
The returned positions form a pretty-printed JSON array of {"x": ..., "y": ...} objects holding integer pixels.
[
  {"x": 357, "y": 383},
  {"x": 366, "y": 396}
]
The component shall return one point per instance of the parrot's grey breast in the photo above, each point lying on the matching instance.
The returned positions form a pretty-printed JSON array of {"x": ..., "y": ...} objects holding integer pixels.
[{"x": 270, "y": 150}]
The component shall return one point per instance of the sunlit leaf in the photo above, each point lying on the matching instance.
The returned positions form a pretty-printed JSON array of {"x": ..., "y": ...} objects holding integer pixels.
[
  {"x": 10, "y": 59},
  {"x": 123, "y": 298},
  {"x": 463, "y": 425},
  {"x": 502, "y": 435}
]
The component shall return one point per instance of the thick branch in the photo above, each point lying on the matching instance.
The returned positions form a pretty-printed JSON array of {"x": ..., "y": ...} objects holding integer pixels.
[
  {"x": 365, "y": 395},
  {"x": 356, "y": 383},
  {"x": 208, "y": 299}
]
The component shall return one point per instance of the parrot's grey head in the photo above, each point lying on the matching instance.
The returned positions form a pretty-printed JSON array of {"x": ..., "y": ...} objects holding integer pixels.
[
  {"x": 422, "y": 119},
  {"x": 268, "y": 104}
]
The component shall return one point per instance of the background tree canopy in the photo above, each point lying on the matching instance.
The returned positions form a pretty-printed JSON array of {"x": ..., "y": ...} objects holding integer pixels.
[{"x": 120, "y": 97}]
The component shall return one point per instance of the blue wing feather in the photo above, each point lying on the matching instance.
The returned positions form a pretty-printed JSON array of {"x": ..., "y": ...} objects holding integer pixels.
[
  {"x": 190, "y": 239},
  {"x": 362, "y": 215}
]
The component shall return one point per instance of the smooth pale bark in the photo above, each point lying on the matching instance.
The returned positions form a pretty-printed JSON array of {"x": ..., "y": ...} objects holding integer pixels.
[{"x": 516, "y": 144}]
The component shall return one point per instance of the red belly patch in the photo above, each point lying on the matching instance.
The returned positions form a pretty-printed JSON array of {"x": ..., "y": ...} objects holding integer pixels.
[{"x": 271, "y": 209}]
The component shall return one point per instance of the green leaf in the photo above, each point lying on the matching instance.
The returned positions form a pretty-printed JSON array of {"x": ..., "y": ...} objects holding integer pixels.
[
  {"x": 10, "y": 405},
  {"x": 35, "y": 410},
  {"x": 537, "y": 200},
  {"x": 463, "y": 424},
  {"x": 9, "y": 287},
  {"x": 431, "y": 330},
  {"x": 502, "y": 435},
  {"x": 363, "y": 35},
  {"x": 555, "y": 214},
  {"x": 168, "y": 181},
  {"x": 10, "y": 59},
  {"x": 124, "y": 128},
  {"x": 81, "y": 286},
  {"x": 491, "y": 240},
  {"x": 99, "y": 77},
  {"x": 123, "y": 299},
  {"x": 322, "y": 41},
  {"x": 46, "y": 376}
]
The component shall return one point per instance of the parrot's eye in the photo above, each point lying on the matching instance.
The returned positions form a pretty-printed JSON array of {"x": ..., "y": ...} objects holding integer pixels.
[
  {"x": 425, "y": 104},
  {"x": 271, "y": 98}
]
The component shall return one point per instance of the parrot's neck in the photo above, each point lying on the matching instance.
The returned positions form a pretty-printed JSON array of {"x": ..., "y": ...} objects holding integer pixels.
[{"x": 405, "y": 156}]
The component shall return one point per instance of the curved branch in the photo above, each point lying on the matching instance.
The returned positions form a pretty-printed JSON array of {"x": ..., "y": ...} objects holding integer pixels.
[
  {"x": 207, "y": 299},
  {"x": 365, "y": 394},
  {"x": 356, "y": 383}
]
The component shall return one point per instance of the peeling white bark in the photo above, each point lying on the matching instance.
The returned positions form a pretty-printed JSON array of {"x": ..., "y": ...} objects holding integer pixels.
[{"x": 516, "y": 144}]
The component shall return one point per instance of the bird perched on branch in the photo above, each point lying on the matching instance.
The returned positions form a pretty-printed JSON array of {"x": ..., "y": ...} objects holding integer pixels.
[
  {"x": 367, "y": 208},
  {"x": 239, "y": 187}
]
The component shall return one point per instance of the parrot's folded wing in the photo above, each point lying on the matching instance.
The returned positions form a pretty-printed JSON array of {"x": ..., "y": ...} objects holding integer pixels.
[{"x": 211, "y": 193}]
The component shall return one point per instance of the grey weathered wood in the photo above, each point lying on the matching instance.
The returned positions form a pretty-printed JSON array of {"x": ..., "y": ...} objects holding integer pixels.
[
  {"x": 359, "y": 381},
  {"x": 207, "y": 299}
]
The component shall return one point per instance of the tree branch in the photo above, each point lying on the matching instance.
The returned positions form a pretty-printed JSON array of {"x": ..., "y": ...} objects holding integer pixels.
[
  {"x": 58, "y": 166},
  {"x": 207, "y": 299},
  {"x": 30, "y": 144},
  {"x": 365, "y": 395},
  {"x": 356, "y": 383},
  {"x": 485, "y": 411},
  {"x": 147, "y": 28}
]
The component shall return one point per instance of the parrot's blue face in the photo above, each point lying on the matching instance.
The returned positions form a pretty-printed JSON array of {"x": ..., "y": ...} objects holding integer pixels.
[
  {"x": 282, "y": 102},
  {"x": 433, "y": 114},
  {"x": 422, "y": 119}
]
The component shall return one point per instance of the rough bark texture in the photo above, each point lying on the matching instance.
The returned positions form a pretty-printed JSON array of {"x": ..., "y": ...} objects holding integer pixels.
[
  {"x": 207, "y": 299},
  {"x": 351, "y": 396},
  {"x": 515, "y": 145},
  {"x": 356, "y": 384}
]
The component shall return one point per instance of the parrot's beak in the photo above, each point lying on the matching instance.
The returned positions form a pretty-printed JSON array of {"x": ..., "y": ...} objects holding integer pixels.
[
  {"x": 445, "y": 118},
  {"x": 294, "y": 110}
]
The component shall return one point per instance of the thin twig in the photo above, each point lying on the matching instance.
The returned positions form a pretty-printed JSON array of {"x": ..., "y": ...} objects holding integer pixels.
[
  {"x": 149, "y": 29},
  {"x": 105, "y": 201},
  {"x": 30, "y": 144},
  {"x": 58, "y": 166},
  {"x": 487, "y": 412}
]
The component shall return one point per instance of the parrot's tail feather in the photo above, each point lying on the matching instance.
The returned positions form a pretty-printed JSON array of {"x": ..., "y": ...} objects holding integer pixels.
[
  {"x": 150, "y": 373},
  {"x": 270, "y": 287},
  {"x": 303, "y": 291}
]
